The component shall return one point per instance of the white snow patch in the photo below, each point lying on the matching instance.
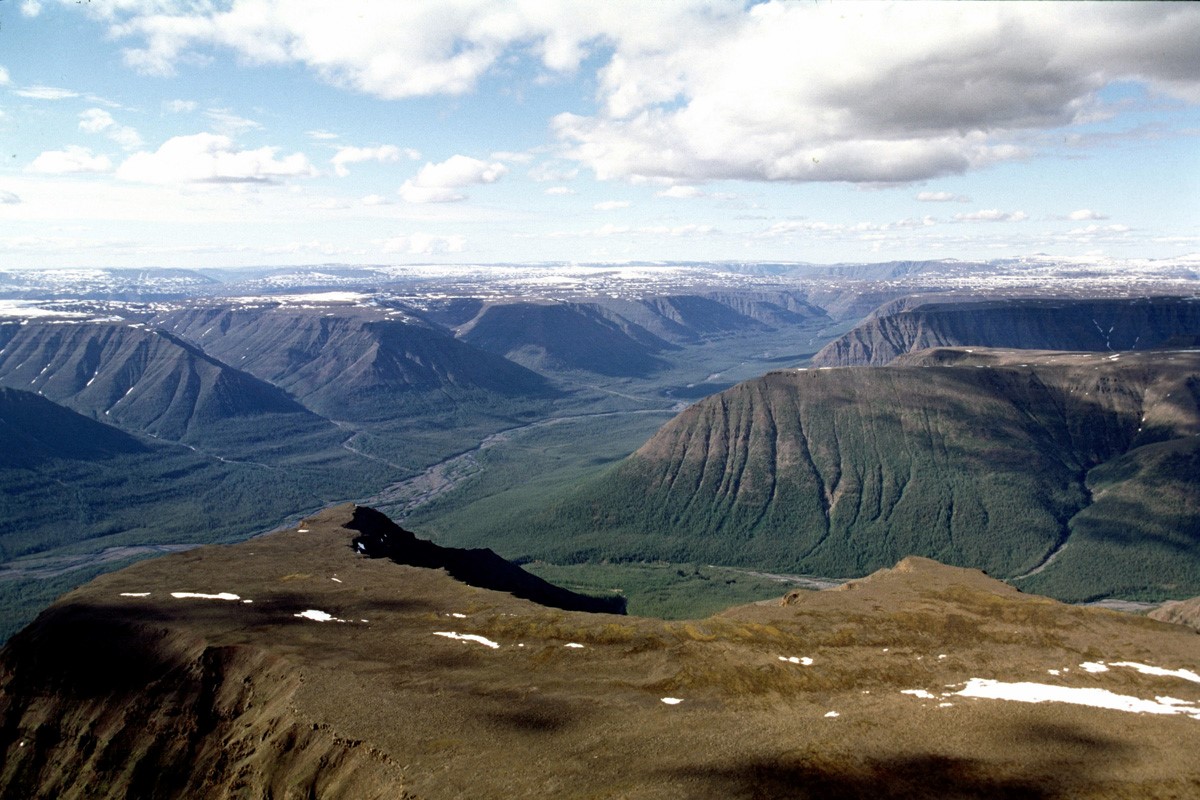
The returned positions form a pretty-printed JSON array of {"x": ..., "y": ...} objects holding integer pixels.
[
  {"x": 1146, "y": 669},
  {"x": 832, "y": 714},
  {"x": 302, "y": 530},
  {"x": 1093, "y": 666},
  {"x": 921, "y": 693},
  {"x": 672, "y": 701},
  {"x": 456, "y": 615},
  {"x": 468, "y": 637},
  {"x": 202, "y": 596},
  {"x": 336, "y": 580},
  {"x": 573, "y": 644},
  {"x": 318, "y": 616},
  {"x": 1097, "y": 698},
  {"x": 803, "y": 660},
  {"x": 135, "y": 594}
]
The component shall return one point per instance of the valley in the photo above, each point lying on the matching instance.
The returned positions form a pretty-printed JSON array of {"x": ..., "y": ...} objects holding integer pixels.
[{"x": 483, "y": 404}]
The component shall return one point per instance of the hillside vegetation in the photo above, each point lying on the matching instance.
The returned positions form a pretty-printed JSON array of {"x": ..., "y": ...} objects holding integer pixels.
[{"x": 992, "y": 459}]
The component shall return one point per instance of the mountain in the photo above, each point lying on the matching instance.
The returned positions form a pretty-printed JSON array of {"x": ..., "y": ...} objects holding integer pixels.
[
  {"x": 292, "y": 665},
  {"x": 348, "y": 362},
  {"x": 564, "y": 336},
  {"x": 147, "y": 381},
  {"x": 1080, "y": 472},
  {"x": 34, "y": 430},
  {"x": 1180, "y": 612},
  {"x": 1098, "y": 325}
]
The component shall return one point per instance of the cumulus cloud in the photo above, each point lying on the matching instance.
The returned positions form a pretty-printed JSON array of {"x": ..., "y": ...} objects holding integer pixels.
[
  {"x": 440, "y": 183},
  {"x": 8, "y": 198},
  {"x": 70, "y": 160},
  {"x": 425, "y": 244},
  {"x": 1085, "y": 214},
  {"x": 31, "y": 8},
  {"x": 212, "y": 158},
  {"x": 5, "y": 80},
  {"x": 942, "y": 197},
  {"x": 992, "y": 215},
  {"x": 97, "y": 120},
  {"x": 180, "y": 106},
  {"x": 771, "y": 91},
  {"x": 375, "y": 200},
  {"x": 383, "y": 154}
]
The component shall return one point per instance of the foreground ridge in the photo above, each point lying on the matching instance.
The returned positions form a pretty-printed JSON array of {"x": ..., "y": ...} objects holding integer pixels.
[{"x": 298, "y": 665}]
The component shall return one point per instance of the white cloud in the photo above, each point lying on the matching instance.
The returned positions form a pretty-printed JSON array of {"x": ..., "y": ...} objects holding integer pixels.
[
  {"x": 70, "y": 160},
  {"x": 680, "y": 192},
  {"x": 611, "y": 205},
  {"x": 180, "y": 106},
  {"x": 941, "y": 197},
  {"x": 226, "y": 122},
  {"x": 992, "y": 215},
  {"x": 1085, "y": 214},
  {"x": 559, "y": 191},
  {"x": 869, "y": 93},
  {"x": 425, "y": 244},
  {"x": 375, "y": 200},
  {"x": 321, "y": 135},
  {"x": 439, "y": 183},
  {"x": 97, "y": 120},
  {"x": 5, "y": 80},
  {"x": 211, "y": 158},
  {"x": 31, "y": 8},
  {"x": 9, "y": 198},
  {"x": 383, "y": 154},
  {"x": 45, "y": 93}
]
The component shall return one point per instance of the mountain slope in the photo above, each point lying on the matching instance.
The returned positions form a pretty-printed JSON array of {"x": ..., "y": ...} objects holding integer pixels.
[
  {"x": 356, "y": 363},
  {"x": 880, "y": 689},
  {"x": 1099, "y": 325},
  {"x": 564, "y": 336},
  {"x": 993, "y": 459},
  {"x": 147, "y": 381},
  {"x": 34, "y": 430}
]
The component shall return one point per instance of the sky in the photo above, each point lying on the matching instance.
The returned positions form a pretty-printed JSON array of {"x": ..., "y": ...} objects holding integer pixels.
[{"x": 212, "y": 133}]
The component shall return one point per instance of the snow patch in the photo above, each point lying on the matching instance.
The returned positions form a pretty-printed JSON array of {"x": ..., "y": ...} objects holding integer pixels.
[
  {"x": 318, "y": 616},
  {"x": 468, "y": 637},
  {"x": 921, "y": 693},
  {"x": 202, "y": 596},
  {"x": 802, "y": 660},
  {"x": 1096, "y": 698},
  {"x": 672, "y": 701},
  {"x": 1145, "y": 669},
  {"x": 1093, "y": 666},
  {"x": 831, "y": 714},
  {"x": 573, "y": 644},
  {"x": 135, "y": 594}
]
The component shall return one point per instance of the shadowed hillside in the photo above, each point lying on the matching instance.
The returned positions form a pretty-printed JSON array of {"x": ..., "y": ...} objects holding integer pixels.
[
  {"x": 1099, "y": 325},
  {"x": 358, "y": 364}
]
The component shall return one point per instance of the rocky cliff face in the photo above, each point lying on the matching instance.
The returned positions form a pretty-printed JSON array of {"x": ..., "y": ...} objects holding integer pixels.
[
  {"x": 294, "y": 666},
  {"x": 1095, "y": 325}
]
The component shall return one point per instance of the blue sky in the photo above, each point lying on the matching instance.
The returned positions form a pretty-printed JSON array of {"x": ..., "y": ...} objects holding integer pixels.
[{"x": 246, "y": 132}]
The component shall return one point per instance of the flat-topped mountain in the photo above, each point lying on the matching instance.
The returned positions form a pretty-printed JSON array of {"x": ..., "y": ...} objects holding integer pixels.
[
  {"x": 1079, "y": 471},
  {"x": 1034, "y": 324},
  {"x": 293, "y": 665}
]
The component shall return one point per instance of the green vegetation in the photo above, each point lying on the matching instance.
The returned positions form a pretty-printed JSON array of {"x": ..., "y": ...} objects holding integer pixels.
[{"x": 667, "y": 591}]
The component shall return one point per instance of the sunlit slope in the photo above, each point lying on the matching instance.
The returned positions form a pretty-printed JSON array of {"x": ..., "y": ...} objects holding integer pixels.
[
  {"x": 1099, "y": 325},
  {"x": 992, "y": 459}
]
